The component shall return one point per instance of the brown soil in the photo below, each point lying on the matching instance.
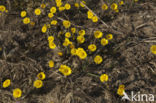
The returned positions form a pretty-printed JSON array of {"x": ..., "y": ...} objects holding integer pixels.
[{"x": 127, "y": 61}]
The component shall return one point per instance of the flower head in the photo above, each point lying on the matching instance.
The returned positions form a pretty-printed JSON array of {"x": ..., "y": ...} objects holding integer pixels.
[
  {"x": 38, "y": 84},
  {"x": 67, "y": 34},
  {"x": 43, "y": 6},
  {"x": 37, "y": 11},
  {"x": 81, "y": 53},
  {"x": 53, "y": 22},
  {"x": 114, "y": 6},
  {"x": 82, "y": 4},
  {"x": 66, "y": 23},
  {"x": 121, "y": 90},
  {"x": 95, "y": 19},
  {"x": 90, "y": 14},
  {"x": 23, "y": 13},
  {"x": 17, "y": 93},
  {"x": 44, "y": 29},
  {"x": 65, "y": 70},
  {"x": 41, "y": 76},
  {"x": 53, "y": 9},
  {"x": 2, "y": 8},
  {"x": 66, "y": 42},
  {"x": 73, "y": 30},
  {"x": 98, "y": 34},
  {"x": 26, "y": 20},
  {"x": 109, "y": 36},
  {"x": 50, "y": 15},
  {"x": 51, "y": 38},
  {"x": 98, "y": 59},
  {"x": 73, "y": 51},
  {"x": 153, "y": 49},
  {"x": 81, "y": 39},
  {"x": 104, "y": 78},
  {"x": 92, "y": 47},
  {"x": 67, "y": 6},
  {"x": 104, "y": 7},
  {"x": 52, "y": 45},
  {"x": 51, "y": 64},
  {"x": 104, "y": 41},
  {"x": 77, "y": 5},
  {"x": 82, "y": 32},
  {"x": 6, "y": 83},
  {"x": 121, "y": 2}
]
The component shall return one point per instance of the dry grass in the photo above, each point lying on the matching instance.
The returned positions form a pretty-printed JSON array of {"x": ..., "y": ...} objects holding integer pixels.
[{"x": 127, "y": 59}]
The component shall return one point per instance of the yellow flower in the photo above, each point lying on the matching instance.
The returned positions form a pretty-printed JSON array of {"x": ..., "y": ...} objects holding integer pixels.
[
  {"x": 81, "y": 39},
  {"x": 53, "y": 9},
  {"x": 114, "y": 6},
  {"x": 121, "y": 90},
  {"x": 82, "y": 32},
  {"x": 37, "y": 11},
  {"x": 26, "y": 20},
  {"x": 65, "y": 70},
  {"x": 90, "y": 14},
  {"x": 72, "y": 46},
  {"x": 32, "y": 23},
  {"x": 66, "y": 42},
  {"x": 95, "y": 19},
  {"x": 66, "y": 23},
  {"x": 50, "y": 15},
  {"x": 98, "y": 34},
  {"x": 51, "y": 64},
  {"x": 136, "y": 0},
  {"x": 121, "y": 2},
  {"x": 17, "y": 93},
  {"x": 117, "y": 10},
  {"x": 153, "y": 49},
  {"x": 98, "y": 59},
  {"x": 77, "y": 5},
  {"x": 82, "y": 4},
  {"x": 73, "y": 30},
  {"x": 43, "y": 6},
  {"x": 92, "y": 47},
  {"x": 50, "y": 38},
  {"x": 104, "y": 78},
  {"x": 73, "y": 51},
  {"x": 6, "y": 83},
  {"x": 23, "y": 13},
  {"x": 67, "y": 34},
  {"x": 81, "y": 53},
  {"x": 122, "y": 86},
  {"x": 104, "y": 41},
  {"x": 60, "y": 53},
  {"x": 61, "y": 8},
  {"x": 41, "y": 76},
  {"x": 44, "y": 29},
  {"x": 53, "y": 22},
  {"x": 52, "y": 45},
  {"x": 58, "y": 4},
  {"x": 67, "y": 6},
  {"x": 109, "y": 36},
  {"x": 2, "y": 8},
  {"x": 38, "y": 83},
  {"x": 104, "y": 7}
]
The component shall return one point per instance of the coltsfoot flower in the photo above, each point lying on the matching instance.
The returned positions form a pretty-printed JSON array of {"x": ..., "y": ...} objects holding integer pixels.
[
  {"x": 98, "y": 59},
  {"x": 104, "y": 78},
  {"x": 17, "y": 93},
  {"x": 38, "y": 84},
  {"x": 6, "y": 83}
]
